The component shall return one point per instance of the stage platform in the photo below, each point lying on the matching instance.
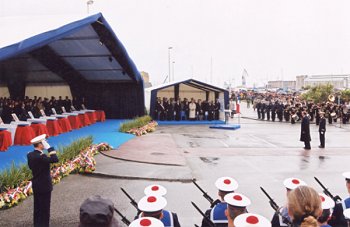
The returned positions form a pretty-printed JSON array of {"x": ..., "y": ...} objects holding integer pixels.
[
  {"x": 101, "y": 131},
  {"x": 190, "y": 122},
  {"x": 227, "y": 127}
]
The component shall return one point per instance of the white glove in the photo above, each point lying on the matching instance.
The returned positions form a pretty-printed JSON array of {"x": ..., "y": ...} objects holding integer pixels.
[{"x": 46, "y": 144}]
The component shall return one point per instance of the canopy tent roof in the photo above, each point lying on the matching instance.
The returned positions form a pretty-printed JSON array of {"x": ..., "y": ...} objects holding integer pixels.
[
  {"x": 86, "y": 50},
  {"x": 190, "y": 82}
]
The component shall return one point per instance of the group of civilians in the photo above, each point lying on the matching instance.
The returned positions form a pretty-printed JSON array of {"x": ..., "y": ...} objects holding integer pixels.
[
  {"x": 177, "y": 109},
  {"x": 9, "y": 106}
]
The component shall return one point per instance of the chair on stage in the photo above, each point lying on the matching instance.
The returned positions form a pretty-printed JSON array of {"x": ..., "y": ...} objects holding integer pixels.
[
  {"x": 9, "y": 127},
  {"x": 52, "y": 125},
  {"x": 62, "y": 121},
  {"x": 5, "y": 135},
  {"x": 24, "y": 133},
  {"x": 73, "y": 118},
  {"x": 38, "y": 124}
]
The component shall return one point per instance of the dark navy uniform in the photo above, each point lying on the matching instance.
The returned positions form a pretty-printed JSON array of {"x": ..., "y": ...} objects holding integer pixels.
[
  {"x": 216, "y": 215},
  {"x": 338, "y": 219},
  {"x": 39, "y": 163},
  {"x": 169, "y": 219},
  {"x": 322, "y": 131},
  {"x": 277, "y": 220},
  {"x": 305, "y": 132}
]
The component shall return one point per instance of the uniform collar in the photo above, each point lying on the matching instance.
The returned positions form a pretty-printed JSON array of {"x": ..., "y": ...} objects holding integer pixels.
[{"x": 39, "y": 151}]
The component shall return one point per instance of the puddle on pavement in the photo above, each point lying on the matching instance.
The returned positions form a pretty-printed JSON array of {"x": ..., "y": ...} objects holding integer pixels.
[
  {"x": 157, "y": 153},
  {"x": 209, "y": 160}
]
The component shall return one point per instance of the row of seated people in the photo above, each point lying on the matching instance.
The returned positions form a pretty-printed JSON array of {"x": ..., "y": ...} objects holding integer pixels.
[
  {"x": 177, "y": 109},
  {"x": 22, "y": 107},
  {"x": 305, "y": 207}
]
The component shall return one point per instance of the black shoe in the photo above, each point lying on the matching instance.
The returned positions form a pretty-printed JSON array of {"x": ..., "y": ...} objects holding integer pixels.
[{"x": 320, "y": 146}]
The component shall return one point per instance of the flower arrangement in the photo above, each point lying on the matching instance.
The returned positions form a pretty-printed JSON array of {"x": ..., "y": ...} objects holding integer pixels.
[
  {"x": 150, "y": 127},
  {"x": 82, "y": 163}
]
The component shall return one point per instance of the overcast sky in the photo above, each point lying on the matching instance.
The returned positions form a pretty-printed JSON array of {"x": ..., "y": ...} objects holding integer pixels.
[{"x": 271, "y": 39}]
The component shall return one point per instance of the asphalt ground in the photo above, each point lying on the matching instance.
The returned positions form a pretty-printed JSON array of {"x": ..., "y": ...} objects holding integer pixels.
[{"x": 260, "y": 153}]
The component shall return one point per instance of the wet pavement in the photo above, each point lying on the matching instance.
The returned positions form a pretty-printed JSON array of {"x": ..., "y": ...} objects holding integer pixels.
[{"x": 261, "y": 153}]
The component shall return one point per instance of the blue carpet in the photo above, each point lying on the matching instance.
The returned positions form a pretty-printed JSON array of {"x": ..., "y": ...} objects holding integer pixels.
[
  {"x": 227, "y": 127},
  {"x": 101, "y": 131},
  {"x": 190, "y": 122}
]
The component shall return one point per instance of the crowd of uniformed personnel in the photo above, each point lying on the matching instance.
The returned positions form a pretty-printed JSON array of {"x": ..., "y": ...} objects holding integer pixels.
[
  {"x": 21, "y": 107},
  {"x": 186, "y": 109},
  {"x": 304, "y": 207},
  {"x": 289, "y": 108}
]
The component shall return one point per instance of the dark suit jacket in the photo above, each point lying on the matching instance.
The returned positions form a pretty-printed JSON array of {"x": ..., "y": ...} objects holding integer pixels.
[
  {"x": 322, "y": 125},
  {"x": 39, "y": 163},
  {"x": 305, "y": 130}
]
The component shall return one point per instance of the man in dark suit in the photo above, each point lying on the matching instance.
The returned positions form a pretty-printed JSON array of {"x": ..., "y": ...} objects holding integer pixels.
[
  {"x": 305, "y": 131},
  {"x": 322, "y": 129},
  {"x": 39, "y": 163}
]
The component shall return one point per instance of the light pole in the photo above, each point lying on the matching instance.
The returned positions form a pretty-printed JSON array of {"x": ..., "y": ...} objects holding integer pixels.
[
  {"x": 169, "y": 48},
  {"x": 88, "y": 3},
  {"x": 173, "y": 71}
]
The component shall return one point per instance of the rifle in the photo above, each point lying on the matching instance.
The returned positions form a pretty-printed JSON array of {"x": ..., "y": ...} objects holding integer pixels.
[
  {"x": 276, "y": 208},
  {"x": 132, "y": 201},
  {"x": 204, "y": 216},
  {"x": 124, "y": 219},
  {"x": 196, "y": 225},
  {"x": 205, "y": 195},
  {"x": 327, "y": 192}
]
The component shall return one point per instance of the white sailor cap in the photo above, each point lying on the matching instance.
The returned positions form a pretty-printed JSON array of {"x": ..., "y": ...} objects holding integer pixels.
[
  {"x": 327, "y": 202},
  {"x": 237, "y": 200},
  {"x": 152, "y": 203},
  {"x": 226, "y": 184},
  {"x": 147, "y": 222},
  {"x": 155, "y": 189},
  {"x": 346, "y": 175},
  {"x": 38, "y": 139},
  {"x": 346, "y": 213},
  {"x": 251, "y": 220},
  {"x": 292, "y": 183}
]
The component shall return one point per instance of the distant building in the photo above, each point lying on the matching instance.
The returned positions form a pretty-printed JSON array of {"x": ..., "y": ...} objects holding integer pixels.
[
  {"x": 338, "y": 81},
  {"x": 145, "y": 77},
  {"x": 284, "y": 84}
]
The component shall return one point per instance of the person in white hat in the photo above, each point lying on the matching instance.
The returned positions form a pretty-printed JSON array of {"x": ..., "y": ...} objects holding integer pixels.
[
  {"x": 290, "y": 184},
  {"x": 155, "y": 189},
  {"x": 225, "y": 185},
  {"x": 338, "y": 218},
  {"x": 236, "y": 205},
  {"x": 146, "y": 222},
  {"x": 153, "y": 206},
  {"x": 39, "y": 163},
  {"x": 327, "y": 205},
  {"x": 251, "y": 220}
]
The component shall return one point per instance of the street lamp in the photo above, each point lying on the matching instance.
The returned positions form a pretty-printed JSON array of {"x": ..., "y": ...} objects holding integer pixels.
[
  {"x": 169, "y": 48},
  {"x": 88, "y": 3},
  {"x": 173, "y": 71}
]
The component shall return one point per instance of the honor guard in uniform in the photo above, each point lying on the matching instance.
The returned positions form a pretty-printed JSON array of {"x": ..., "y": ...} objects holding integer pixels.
[
  {"x": 252, "y": 220},
  {"x": 327, "y": 205},
  {"x": 322, "y": 129},
  {"x": 146, "y": 222},
  {"x": 346, "y": 214},
  {"x": 236, "y": 205},
  {"x": 39, "y": 163},
  {"x": 289, "y": 184},
  {"x": 225, "y": 185},
  {"x": 153, "y": 206},
  {"x": 155, "y": 189},
  {"x": 338, "y": 218}
]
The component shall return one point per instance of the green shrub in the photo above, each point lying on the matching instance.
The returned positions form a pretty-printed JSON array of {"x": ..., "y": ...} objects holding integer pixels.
[
  {"x": 14, "y": 175},
  {"x": 135, "y": 123},
  {"x": 69, "y": 152}
]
